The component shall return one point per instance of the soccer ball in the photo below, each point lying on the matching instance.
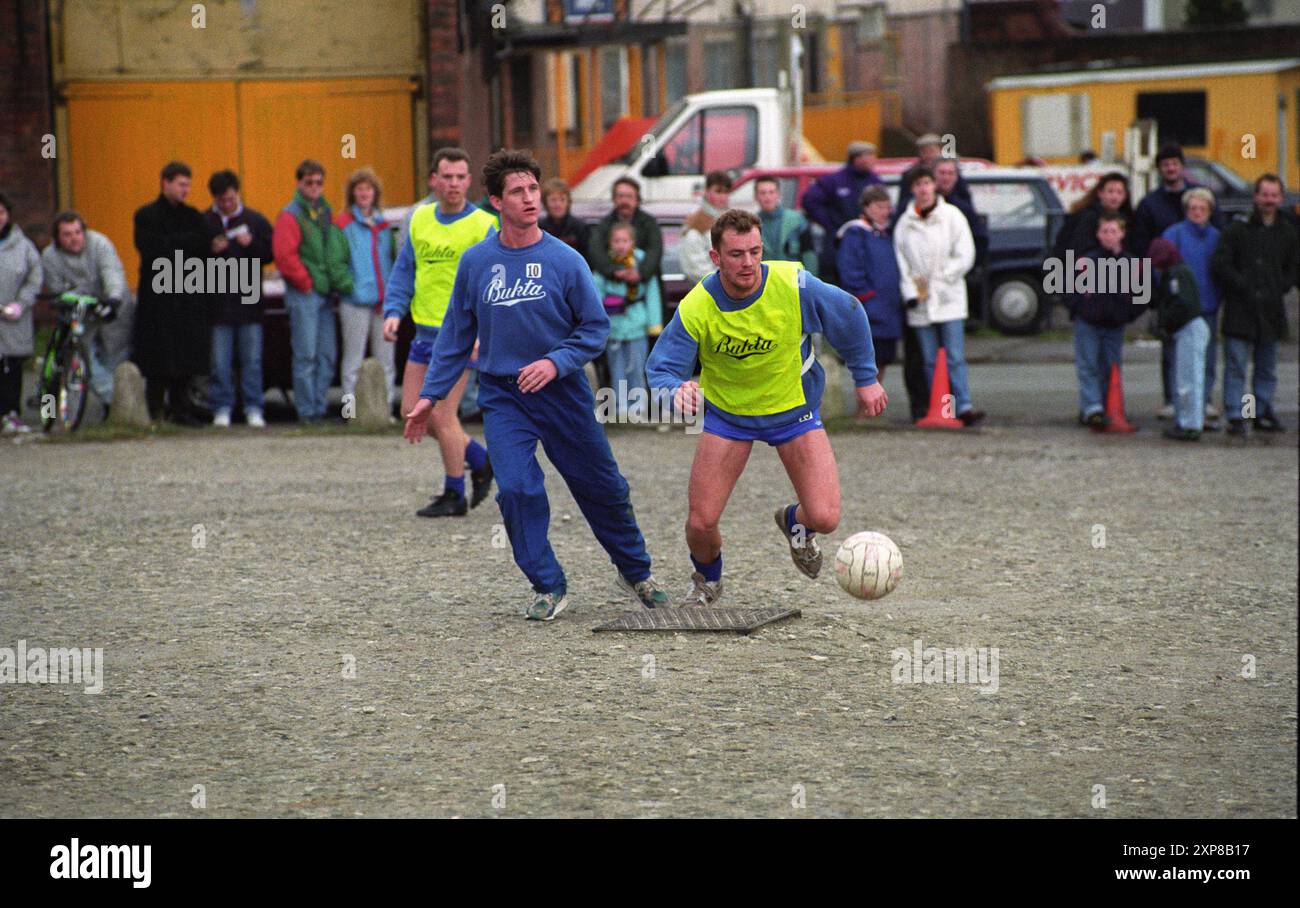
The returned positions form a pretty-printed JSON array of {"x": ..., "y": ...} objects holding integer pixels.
[{"x": 868, "y": 565}]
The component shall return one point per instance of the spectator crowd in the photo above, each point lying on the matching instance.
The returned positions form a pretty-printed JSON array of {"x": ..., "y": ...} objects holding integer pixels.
[{"x": 907, "y": 262}]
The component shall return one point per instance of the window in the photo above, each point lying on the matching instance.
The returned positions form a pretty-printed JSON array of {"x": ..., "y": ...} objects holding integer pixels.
[
  {"x": 521, "y": 99},
  {"x": 613, "y": 84},
  {"x": 719, "y": 64},
  {"x": 649, "y": 81},
  {"x": 675, "y": 71},
  {"x": 1056, "y": 125},
  {"x": 721, "y": 138},
  {"x": 812, "y": 63},
  {"x": 1009, "y": 206},
  {"x": 768, "y": 61},
  {"x": 1179, "y": 115}
]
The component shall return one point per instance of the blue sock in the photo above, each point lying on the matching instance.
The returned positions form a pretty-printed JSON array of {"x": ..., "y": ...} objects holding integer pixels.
[
  {"x": 475, "y": 455},
  {"x": 712, "y": 571},
  {"x": 790, "y": 522},
  {"x": 454, "y": 484}
]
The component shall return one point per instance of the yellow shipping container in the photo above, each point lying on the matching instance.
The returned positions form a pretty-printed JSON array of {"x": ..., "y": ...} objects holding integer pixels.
[{"x": 1243, "y": 115}]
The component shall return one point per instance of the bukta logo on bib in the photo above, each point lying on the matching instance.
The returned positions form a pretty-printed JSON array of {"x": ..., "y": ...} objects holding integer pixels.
[{"x": 743, "y": 348}]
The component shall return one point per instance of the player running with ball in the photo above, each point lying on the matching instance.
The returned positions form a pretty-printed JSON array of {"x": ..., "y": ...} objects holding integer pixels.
[
  {"x": 532, "y": 304},
  {"x": 750, "y": 324}
]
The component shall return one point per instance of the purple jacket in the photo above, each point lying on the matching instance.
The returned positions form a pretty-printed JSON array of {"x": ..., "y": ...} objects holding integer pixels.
[{"x": 832, "y": 201}]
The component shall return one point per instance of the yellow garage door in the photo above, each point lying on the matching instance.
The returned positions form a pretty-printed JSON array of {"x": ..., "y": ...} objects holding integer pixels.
[{"x": 121, "y": 133}]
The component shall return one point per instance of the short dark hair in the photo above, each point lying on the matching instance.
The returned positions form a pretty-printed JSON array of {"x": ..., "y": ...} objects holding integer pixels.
[
  {"x": 716, "y": 178},
  {"x": 448, "y": 153},
  {"x": 222, "y": 180},
  {"x": 873, "y": 194},
  {"x": 501, "y": 164},
  {"x": 768, "y": 178},
  {"x": 1269, "y": 178},
  {"x": 735, "y": 219},
  {"x": 1169, "y": 150},
  {"x": 1108, "y": 216},
  {"x": 173, "y": 169},
  {"x": 309, "y": 166},
  {"x": 922, "y": 170},
  {"x": 627, "y": 181},
  {"x": 67, "y": 216}
]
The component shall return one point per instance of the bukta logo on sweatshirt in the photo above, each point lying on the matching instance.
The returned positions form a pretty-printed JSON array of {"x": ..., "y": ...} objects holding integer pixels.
[
  {"x": 743, "y": 348},
  {"x": 499, "y": 293}
]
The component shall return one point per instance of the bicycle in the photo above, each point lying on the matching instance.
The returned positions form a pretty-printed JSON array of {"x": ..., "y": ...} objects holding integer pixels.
[{"x": 65, "y": 368}]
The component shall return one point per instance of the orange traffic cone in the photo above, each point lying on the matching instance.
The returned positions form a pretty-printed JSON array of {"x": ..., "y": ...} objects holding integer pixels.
[
  {"x": 1116, "y": 421},
  {"x": 938, "y": 391}
]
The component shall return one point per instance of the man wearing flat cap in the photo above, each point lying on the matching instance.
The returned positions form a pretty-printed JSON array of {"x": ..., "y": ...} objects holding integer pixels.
[{"x": 832, "y": 200}]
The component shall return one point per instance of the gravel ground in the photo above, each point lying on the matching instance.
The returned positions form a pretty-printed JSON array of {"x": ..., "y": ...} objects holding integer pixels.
[{"x": 1119, "y": 666}]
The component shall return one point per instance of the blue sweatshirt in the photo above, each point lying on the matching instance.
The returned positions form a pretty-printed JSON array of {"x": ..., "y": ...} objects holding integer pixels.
[
  {"x": 401, "y": 280},
  {"x": 824, "y": 310},
  {"x": 1196, "y": 245},
  {"x": 553, "y": 314}
]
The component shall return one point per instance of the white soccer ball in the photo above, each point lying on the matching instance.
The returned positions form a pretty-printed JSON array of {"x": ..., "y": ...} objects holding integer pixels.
[{"x": 868, "y": 565}]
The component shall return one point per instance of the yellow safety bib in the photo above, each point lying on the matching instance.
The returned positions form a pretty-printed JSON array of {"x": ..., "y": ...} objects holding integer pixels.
[
  {"x": 438, "y": 248},
  {"x": 751, "y": 362}
]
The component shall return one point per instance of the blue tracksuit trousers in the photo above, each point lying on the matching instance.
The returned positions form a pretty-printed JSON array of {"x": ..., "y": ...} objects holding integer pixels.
[{"x": 562, "y": 417}]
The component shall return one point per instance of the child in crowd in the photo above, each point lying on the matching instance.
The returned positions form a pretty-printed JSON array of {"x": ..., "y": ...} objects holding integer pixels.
[
  {"x": 635, "y": 314},
  {"x": 1179, "y": 317},
  {"x": 1099, "y": 318},
  {"x": 868, "y": 269}
]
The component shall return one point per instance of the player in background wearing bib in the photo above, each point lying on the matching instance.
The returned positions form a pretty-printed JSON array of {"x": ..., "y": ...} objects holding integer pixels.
[
  {"x": 750, "y": 323},
  {"x": 531, "y": 301},
  {"x": 420, "y": 283}
]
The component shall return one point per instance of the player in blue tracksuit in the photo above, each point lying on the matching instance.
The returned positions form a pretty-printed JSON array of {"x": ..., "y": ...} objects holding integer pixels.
[{"x": 531, "y": 302}]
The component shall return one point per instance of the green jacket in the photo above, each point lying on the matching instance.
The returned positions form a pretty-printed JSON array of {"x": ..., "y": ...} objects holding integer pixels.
[
  {"x": 310, "y": 251},
  {"x": 787, "y": 238}
]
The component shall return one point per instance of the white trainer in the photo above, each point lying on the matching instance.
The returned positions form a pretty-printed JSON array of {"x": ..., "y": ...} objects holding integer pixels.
[
  {"x": 221, "y": 419},
  {"x": 255, "y": 420}
]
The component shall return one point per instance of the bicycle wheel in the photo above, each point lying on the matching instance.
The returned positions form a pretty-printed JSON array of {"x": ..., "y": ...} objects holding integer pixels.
[
  {"x": 50, "y": 381},
  {"x": 75, "y": 386}
]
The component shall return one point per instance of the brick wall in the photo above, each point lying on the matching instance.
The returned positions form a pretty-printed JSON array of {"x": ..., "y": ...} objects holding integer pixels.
[{"x": 25, "y": 176}]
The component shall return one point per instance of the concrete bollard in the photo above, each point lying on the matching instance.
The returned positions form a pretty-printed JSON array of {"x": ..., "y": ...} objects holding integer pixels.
[
  {"x": 834, "y": 402},
  {"x": 372, "y": 409},
  {"x": 129, "y": 405}
]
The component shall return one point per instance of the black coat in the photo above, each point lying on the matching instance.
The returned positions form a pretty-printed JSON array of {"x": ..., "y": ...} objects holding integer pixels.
[
  {"x": 572, "y": 231},
  {"x": 1107, "y": 310},
  {"x": 172, "y": 330},
  {"x": 1256, "y": 265},
  {"x": 229, "y": 308}
]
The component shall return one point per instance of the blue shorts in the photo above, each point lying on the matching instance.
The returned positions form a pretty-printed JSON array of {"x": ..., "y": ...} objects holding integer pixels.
[
  {"x": 422, "y": 345},
  {"x": 773, "y": 435}
]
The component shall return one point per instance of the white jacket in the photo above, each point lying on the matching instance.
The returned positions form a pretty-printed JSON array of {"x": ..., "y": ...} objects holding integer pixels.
[{"x": 940, "y": 247}]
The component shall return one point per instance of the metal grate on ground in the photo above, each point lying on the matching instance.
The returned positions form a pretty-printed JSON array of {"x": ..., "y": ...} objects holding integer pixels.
[{"x": 738, "y": 620}]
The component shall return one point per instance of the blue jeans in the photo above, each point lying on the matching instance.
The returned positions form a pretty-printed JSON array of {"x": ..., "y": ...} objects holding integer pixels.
[
  {"x": 1236, "y": 353},
  {"x": 1189, "y": 374},
  {"x": 1095, "y": 351},
  {"x": 627, "y": 363},
  {"x": 952, "y": 335},
  {"x": 1211, "y": 354},
  {"x": 224, "y": 339},
  {"x": 315, "y": 350},
  {"x": 562, "y": 417}
]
